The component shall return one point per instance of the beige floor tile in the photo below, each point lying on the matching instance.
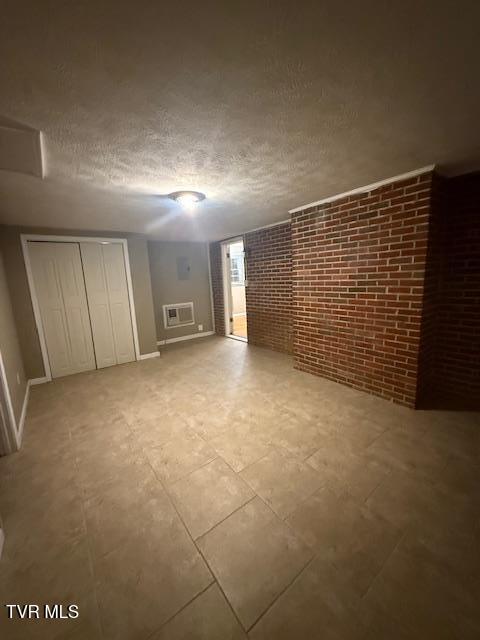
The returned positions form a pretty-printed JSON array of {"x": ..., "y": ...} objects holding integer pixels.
[
  {"x": 405, "y": 452},
  {"x": 88, "y": 426},
  {"x": 208, "y": 617},
  {"x": 407, "y": 501},
  {"x": 343, "y": 468},
  {"x": 143, "y": 583},
  {"x": 124, "y": 509},
  {"x": 50, "y": 522},
  {"x": 158, "y": 431},
  {"x": 24, "y": 480},
  {"x": 209, "y": 495},
  {"x": 460, "y": 477},
  {"x": 40, "y": 447},
  {"x": 104, "y": 465},
  {"x": 454, "y": 438},
  {"x": 96, "y": 439},
  {"x": 83, "y": 631},
  {"x": 382, "y": 627},
  {"x": 424, "y": 595},
  {"x": 254, "y": 556},
  {"x": 355, "y": 540},
  {"x": 360, "y": 430},
  {"x": 319, "y": 604},
  {"x": 208, "y": 422},
  {"x": 145, "y": 406},
  {"x": 56, "y": 575},
  {"x": 179, "y": 457},
  {"x": 282, "y": 481},
  {"x": 240, "y": 447},
  {"x": 299, "y": 437},
  {"x": 85, "y": 627},
  {"x": 83, "y": 491}
]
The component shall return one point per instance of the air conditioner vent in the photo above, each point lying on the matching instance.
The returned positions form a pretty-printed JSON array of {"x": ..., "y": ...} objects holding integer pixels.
[{"x": 178, "y": 315}]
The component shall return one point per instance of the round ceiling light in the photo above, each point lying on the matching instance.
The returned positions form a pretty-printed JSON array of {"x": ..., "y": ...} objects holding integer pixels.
[{"x": 187, "y": 199}]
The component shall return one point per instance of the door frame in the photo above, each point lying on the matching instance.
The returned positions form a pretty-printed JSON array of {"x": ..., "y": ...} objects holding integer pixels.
[
  {"x": 227, "y": 287},
  {"x": 32, "y": 237},
  {"x": 9, "y": 436}
]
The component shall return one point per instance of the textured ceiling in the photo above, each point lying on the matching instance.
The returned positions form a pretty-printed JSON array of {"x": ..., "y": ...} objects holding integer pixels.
[{"x": 264, "y": 106}]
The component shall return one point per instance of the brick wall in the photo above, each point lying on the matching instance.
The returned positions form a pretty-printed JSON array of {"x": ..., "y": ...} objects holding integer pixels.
[
  {"x": 217, "y": 287},
  {"x": 457, "y": 362},
  {"x": 269, "y": 290},
  {"x": 379, "y": 291},
  {"x": 358, "y": 275},
  {"x": 426, "y": 377}
]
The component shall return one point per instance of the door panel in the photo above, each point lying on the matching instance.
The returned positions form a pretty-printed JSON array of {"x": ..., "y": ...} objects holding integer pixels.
[
  {"x": 95, "y": 282},
  {"x": 58, "y": 277},
  {"x": 119, "y": 302},
  {"x": 106, "y": 283},
  {"x": 55, "y": 324}
]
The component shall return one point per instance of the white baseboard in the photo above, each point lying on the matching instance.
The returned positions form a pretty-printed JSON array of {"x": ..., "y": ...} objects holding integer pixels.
[
  {"x": 35, "y": 381},
  {"x": 192, "y": 336},
  {"x": 146, "y": 356},
  {"x": 239, "y": 338}
]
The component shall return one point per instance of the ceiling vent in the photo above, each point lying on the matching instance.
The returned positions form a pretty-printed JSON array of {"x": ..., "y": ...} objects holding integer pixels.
[
  {"x": 178, "y": 315},
  {"x": 20, "y": 148}
]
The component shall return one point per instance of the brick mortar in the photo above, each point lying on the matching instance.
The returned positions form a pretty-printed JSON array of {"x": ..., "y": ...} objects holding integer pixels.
[
  {"x": 358, "y": 285},
  {"x": 269, "y": 291}
]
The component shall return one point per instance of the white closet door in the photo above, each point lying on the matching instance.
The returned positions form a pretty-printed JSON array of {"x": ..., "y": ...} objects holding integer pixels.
[
  {"x": 98, "y": 303},
  {"x": 60, "y": 287},
  {"x": 107, "y": 292},
  {"x": 119, "y": 301}
]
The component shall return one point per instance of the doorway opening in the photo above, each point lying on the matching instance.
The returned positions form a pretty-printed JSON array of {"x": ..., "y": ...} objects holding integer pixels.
[{"x": 235, "y": 283}]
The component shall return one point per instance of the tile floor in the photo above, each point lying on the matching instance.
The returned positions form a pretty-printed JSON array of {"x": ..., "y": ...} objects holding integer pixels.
[
  {"x": 217, "y": 493},
  {"x": 240, "y": 326}
]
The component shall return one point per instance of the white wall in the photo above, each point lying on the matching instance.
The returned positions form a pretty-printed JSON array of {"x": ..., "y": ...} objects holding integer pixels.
[{"x": 238, "y": 299}]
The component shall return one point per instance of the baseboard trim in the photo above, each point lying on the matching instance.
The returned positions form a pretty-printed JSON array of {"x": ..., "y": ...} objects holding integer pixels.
[
  {"x": 239, "y": 338},
  {"x": 191, "y": 336},
  {"x": 146, "y": 356},
  {"x": 35, "y": 381}
]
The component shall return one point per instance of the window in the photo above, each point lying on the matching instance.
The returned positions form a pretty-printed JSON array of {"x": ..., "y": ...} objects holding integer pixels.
[
  {"x": 237, "y": 270},
  {"x": 237, "y": 264}
]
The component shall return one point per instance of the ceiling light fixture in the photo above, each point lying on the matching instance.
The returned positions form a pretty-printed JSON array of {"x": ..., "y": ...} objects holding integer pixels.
[{"x": 188, "y": 199}]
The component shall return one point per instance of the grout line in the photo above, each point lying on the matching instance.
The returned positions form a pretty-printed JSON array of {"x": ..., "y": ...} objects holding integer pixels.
[
  {"x": 82, "y": 499},
  {"x": 187, "y": 475},
  {"x": 387, "y": 430},
  {"x": 221, "y": 590},
  {"x": 195, "y": 545},
  {"x": 94, "y": 574},
  {"x": 397, "y": 544},
  {"x": 184, "y": 606},
  {"x": 226, "y": 518},
  {"x": 294, "y": 579},
  {"x": 251, "y": 464},
  {"x": 381, "y": 482}
]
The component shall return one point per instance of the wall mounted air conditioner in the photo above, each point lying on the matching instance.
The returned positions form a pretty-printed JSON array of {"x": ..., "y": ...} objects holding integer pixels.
[{"x": 178, "y": 315}]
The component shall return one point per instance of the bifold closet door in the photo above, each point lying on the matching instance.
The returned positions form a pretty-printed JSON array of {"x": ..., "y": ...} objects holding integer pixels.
[
  {"x": 107, "y": 293},
  {"x": 60, "y": 288}
]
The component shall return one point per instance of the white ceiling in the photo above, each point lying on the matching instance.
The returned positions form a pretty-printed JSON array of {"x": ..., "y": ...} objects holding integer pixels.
[{"x": 262, "y": 105}]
